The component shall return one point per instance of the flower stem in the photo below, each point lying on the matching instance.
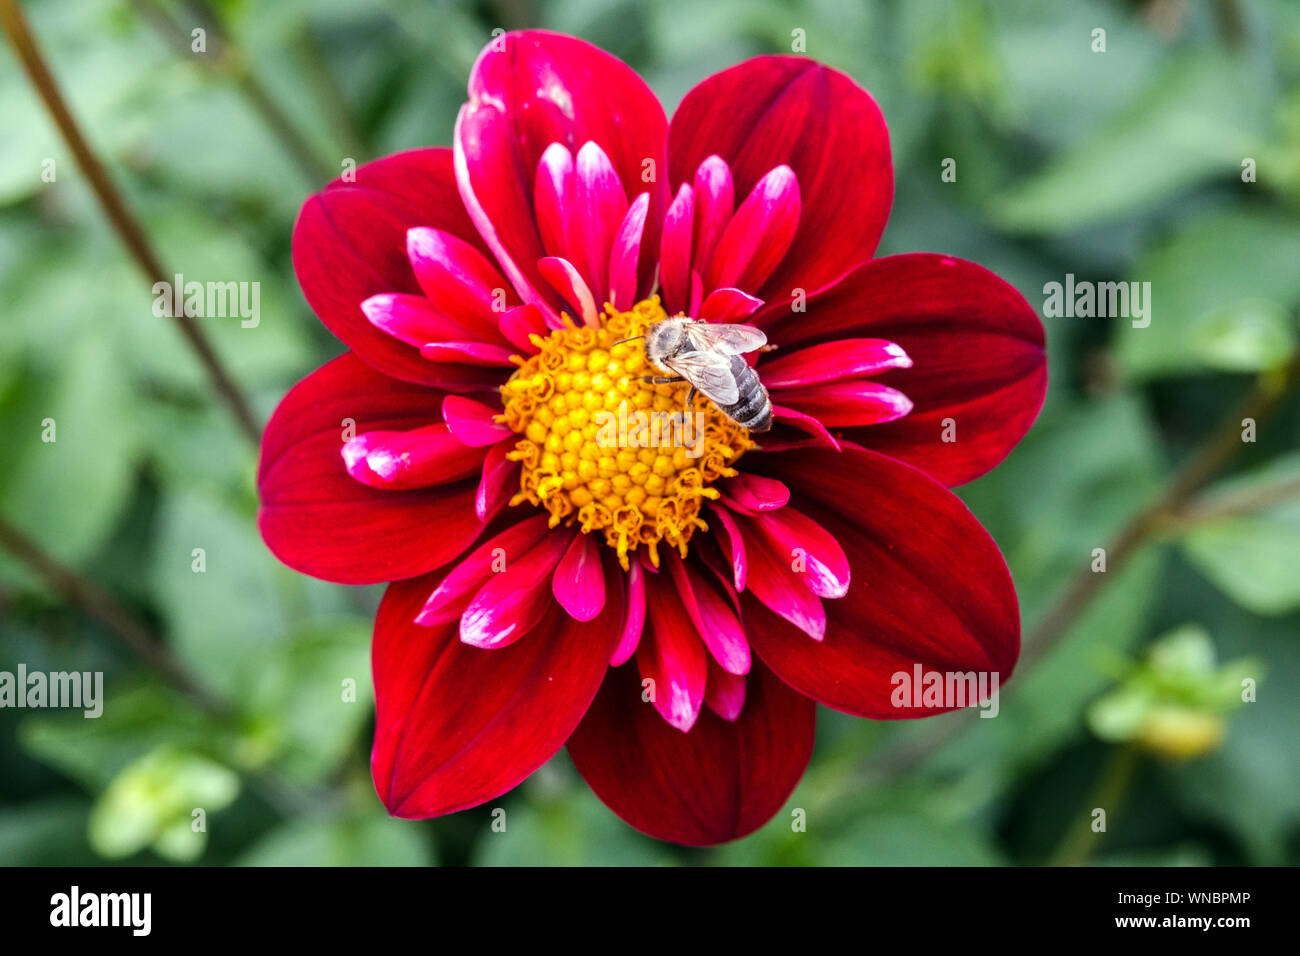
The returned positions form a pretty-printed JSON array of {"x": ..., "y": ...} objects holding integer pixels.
[
  {"x": 115, "y": 208},
  {"x": 103, "y": 607},
  {"x": 223, "y": 58},
  {"x": 287, "y": 798},
  {"x": 1080, "y": 840},
  {"x": 1221, "y": 447}
]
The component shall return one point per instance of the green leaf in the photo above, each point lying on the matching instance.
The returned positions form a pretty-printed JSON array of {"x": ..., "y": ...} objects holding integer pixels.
[
  {"x": 68, "y": 492},
  {"x": 153, "y": 803},
  {"x": 312, "y": 695},
  {"x": 1253, "y": 557},
  {"x": 1194, "y": 121},
  {"x": 217, "y": 586},
  {"x": 1222, "y": 287},
  {"x": 900, "y": 838},
  {"x": 372, "y": 840},
  {"x": 568, "y": 829}
]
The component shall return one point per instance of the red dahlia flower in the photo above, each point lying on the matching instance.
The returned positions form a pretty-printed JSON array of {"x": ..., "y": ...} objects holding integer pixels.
[{"x": 673, "y": 613}]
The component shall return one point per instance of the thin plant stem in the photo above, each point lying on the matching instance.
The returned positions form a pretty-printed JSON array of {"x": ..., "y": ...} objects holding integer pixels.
[
  {"x": 224, "y": 59},
  {"x": 1217, "y": 452},
  {"x": 119, "y": 214},
  {"x": 287, "y": 798},
  {"x": 105, "y": 609},
  {"x": 1080, "y": 841}
]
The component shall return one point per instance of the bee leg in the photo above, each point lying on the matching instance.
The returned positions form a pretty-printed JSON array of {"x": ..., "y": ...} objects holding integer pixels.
[
  {"x": 690, "y": 396},
  {"x": 662, "y": 379}
]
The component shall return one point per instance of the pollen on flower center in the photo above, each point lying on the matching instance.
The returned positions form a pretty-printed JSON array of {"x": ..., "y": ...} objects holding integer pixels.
[{"x": 604, "y": 448}]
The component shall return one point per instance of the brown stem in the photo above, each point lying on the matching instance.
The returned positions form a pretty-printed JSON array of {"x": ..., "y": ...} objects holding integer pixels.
[
  {"x": 223, "y": 58},
  {"x": 286, "y": 797},
  {"x": 104, "y": 608},
  {"x": 1080, "y": 841},
  {"x": 114, "y": 206},
  {"x": 1220, "y": 449}
]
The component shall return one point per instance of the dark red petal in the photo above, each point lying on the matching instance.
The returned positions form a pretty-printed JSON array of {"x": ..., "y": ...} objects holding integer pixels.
[
  {"x": 977, "y": 348},
  {"x": 350, "y": 243},
  {"x": 321, "y": 521},
  {"x": 721, "y": 781},
  {"x": 457, "y": 725},
  {"x": 929, "y": 585},
  {"x": 534, "y": 88},
  {"x": 776, "y": 110}
]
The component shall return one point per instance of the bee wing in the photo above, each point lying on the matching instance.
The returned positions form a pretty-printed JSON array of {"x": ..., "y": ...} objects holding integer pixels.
[
  {"x": 710, "y": 372},
  {"x": 725, "y": 337}
]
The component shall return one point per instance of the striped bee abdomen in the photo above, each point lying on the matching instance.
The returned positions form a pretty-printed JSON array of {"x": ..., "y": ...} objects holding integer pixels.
[{"x": 754, "y": 409}]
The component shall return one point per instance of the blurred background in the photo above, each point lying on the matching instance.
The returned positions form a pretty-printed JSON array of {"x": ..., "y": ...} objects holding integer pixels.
[{"x": 1173, "y": 157}]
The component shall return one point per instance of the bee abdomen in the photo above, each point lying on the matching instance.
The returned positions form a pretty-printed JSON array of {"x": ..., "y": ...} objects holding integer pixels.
[{"x": 754, "y": 409}]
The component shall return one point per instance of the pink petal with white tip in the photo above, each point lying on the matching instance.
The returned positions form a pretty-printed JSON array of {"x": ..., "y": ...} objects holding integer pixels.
[
  {"x": 633, "y": 616},
  {"x": 600, "y": 209},
  {"x": 468, "y": 353},
  {"x": 555, "y": 196},
  {"x": 715, "y": 621},
  {"x": 511, "y": 603},
  {"x": 724, "y": 694},
  {"x": 729, "y": 305},
  {"x": 816, "y": 557},
  {"x": 521, "y": 322},
  {"x": 845, "y": 404},
  {"x": 834, "y": 362},
  {"x": 625, "y": 253},
  {"x": 749, "y": 493},
  {"x": 805, "y": 423},
  {"x": 758, "y": 235},
  {"x": 715, "y": 203},
  {"x": 675, "y": 251},
  {"x": 672, "y": 656},
  {"x": 498, "y": 484},
  {"x": 400, "y": 460},
  {"x": 452, "y": 595},
  {"x": 734, "y": 546},
  {"x": 458, "y": 279},
  {"x": 411, "y": 319},
  {"x": 566, "y": 280},
  {"x": 579, "y": 579}
]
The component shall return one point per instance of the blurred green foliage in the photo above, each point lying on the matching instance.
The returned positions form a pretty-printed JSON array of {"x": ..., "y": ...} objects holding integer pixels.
[{"x": 1122, "y": 165}]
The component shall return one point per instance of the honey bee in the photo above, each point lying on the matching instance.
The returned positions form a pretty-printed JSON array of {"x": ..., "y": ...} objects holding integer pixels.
[{"x": 708, "y": 355}]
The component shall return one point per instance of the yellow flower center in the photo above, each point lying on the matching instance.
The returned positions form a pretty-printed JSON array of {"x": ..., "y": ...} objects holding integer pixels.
[{"x": 608, "y": 450}]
